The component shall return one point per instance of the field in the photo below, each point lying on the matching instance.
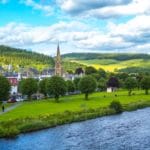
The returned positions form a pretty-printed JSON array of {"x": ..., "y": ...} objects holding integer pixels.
[
  {"x": 71, "y": 103},
  {"x": 112, "y": 64}
]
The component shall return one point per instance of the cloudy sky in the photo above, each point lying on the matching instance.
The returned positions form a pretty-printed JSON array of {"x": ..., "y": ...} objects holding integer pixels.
[{"x": 79, "y": 25}]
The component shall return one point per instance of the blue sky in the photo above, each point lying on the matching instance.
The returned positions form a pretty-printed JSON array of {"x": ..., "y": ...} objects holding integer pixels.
[{"x": 79, "y": 25}]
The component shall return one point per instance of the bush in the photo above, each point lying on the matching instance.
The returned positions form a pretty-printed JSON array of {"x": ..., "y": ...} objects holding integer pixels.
[
  {"x": 9, "y": 132},
  {"x": 116, "y": 105}
]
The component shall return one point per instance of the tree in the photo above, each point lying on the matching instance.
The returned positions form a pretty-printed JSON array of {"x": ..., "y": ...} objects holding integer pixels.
[
  {"x": 28, "y": 87},
  {"x": 87, "y": 85},
  {"x": 130, "y": 84},
  {"x": 145, "y": 84},
  {"x": 42, "y": 87},
  {"x": 90, "y": 70},
  {"x": 113, "y": 82},
  {"x": 56, "y": 86},
  {"x": 4, "y": 88},
  {"x": 102, "y": 72},
  {"x": 70, "y": 86},
  {"x": 79, "y": 71},
  {"x": 76, "y": 83},
  {"x": 102, "y": 84}
]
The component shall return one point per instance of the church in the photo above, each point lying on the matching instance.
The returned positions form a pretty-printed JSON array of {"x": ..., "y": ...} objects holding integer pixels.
[
  {"x": 59, "y": 71},
  {"x": 58, "y": 63}
]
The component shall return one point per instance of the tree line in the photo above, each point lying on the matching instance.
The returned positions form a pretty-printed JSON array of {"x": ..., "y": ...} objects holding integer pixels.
[{"x": 93, "y": 80}]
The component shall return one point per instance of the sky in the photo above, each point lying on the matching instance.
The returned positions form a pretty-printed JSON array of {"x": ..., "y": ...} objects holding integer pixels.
[{"x": 104, "y": 26}]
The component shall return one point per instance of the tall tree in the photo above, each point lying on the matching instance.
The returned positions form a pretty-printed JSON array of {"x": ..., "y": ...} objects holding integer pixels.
[
  {"x": 145, "y": 84},
  {"x": 70, "y": 86},
  {"x": 102, "y": 84},
  {"x": 130, "y": 84},
  {"x": 87, "y": 85},
  {"x": 42, "y": 87},
  {"x": 4, "y": 88},
  {"x": 28, "y": 87},
  {"x": 76, "y": 83},
  {"x": 56, "y": 86}
]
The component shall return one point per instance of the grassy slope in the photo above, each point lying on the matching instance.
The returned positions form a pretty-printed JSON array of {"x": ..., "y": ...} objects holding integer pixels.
[
  {"x": 71, "y": 103},
  {"x": 112, "y": 65}
]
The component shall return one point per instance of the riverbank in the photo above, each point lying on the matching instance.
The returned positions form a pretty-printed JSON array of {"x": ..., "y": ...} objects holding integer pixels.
[{"x": 11, "y": 123}]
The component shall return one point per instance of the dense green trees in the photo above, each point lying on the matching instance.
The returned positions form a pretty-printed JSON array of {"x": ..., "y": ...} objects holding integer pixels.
[
  {"x": 113, "y": 82},
  {"x": 4, "y": 88},
  {"x": 145, "y": 84},
  {"x": 102, "y": 84},
  {"x": 56, "y": 86},
  {"x": 90, "y": 70},
  {"x": 70, "y": 86},
  {"x": 42, "y": 86},
  {"x": 130, "y": 84},
  {"x": 28, "y": 87},
  {"x": 76, "y": 83},
  {"x": 87, "y": 85}
]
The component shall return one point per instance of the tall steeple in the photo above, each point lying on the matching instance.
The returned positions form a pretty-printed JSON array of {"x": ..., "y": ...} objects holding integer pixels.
[{"x": 58, "y": 66}]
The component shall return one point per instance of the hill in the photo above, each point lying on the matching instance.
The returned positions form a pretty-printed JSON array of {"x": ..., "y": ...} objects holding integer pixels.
[
  {"x": 28, "y": 59},
  {"x": 112, "y": 62}
]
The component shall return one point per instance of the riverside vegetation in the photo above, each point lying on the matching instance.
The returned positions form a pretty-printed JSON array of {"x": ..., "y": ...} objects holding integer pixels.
[{"x": 36, "y": 115}]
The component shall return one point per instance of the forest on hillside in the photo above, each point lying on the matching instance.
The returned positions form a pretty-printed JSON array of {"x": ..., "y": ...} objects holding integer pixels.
[
  {"x": 115, "y": 56},
  {"x": 20, "y": 58}
]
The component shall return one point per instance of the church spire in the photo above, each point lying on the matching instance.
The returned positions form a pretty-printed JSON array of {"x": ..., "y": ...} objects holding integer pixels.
[
  {"x": 58, "y": 57},
  {"x": 58, "y": 66}
]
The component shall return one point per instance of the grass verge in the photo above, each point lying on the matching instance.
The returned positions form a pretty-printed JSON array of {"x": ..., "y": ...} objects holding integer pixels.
[{"x": 12, "y": 128}]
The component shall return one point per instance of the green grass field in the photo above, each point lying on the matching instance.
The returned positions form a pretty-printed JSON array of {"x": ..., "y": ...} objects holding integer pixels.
[
  {"x": 111, "y": 64},
  {"x": 71, "y": 103}
]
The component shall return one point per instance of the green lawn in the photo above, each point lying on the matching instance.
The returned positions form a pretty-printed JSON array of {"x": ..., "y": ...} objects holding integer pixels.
[{"x": 71, "y": 103}]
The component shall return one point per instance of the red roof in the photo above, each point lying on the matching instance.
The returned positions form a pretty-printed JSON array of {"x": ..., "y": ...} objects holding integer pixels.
[{"x": 13, "y": 81}]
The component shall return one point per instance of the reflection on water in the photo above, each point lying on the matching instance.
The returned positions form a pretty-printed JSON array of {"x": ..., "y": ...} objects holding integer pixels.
[{"x": 128, "y": 131}]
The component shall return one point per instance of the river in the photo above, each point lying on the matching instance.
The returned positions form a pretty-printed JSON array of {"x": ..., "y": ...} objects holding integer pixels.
[{"x": 127, "y": 131}]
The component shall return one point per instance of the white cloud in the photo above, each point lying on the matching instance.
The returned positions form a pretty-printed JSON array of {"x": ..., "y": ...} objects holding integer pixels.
[
  {"x": 132, "y": 36},
  {"x": 105, "y": 8}
]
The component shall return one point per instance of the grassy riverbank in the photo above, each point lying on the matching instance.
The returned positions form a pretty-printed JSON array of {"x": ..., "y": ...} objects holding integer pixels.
[{"x": 35, "y": 115}]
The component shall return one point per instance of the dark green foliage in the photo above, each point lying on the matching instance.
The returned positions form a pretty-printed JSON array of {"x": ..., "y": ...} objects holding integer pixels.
[
  {"x": 116, "y": 105},
  {"x": 4, "y": 88},
  {"x": 130, "y": 84},
  {"x": 97, "y": 76},
  {"x": 56, "y": 86},
  {"x": 79, "y": 71},
  {"x": 102, "y": 73},
  {"x": 42, "y": 86},
  {"x": 145, "y": 84},
  {"x": 87, "y": 85},
  {"x": 70, "y": 86},
  {"x": 28, "y": 87},
  {"x": 113, "y": 82},
  {"x": 24, "y": 58},
  {"x": 76, "y": 83},
  {"x": 135, "y": 69},
  {"x": 90, "y": 70},
  {"x": 102, "y": 84},
  {"x": 120, "y": 57}
]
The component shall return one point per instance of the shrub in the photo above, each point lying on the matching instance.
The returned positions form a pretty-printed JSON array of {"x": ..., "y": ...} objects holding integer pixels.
[
  {"x": 9, "y": 132},
  {"x": 116, "y": 105}
]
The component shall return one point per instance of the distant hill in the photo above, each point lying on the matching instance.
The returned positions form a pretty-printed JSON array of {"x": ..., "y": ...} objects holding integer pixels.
[
  {"x": 28, "y": 59},
  {"x": 122, "y": 62},
  {"x": 19, "y": 57},
  {"x": 115, "y": 56},
  {"x": 109, "y": 62}
]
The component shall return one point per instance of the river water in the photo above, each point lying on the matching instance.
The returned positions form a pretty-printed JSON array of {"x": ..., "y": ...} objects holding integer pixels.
[{"x": 128, "y": 131}]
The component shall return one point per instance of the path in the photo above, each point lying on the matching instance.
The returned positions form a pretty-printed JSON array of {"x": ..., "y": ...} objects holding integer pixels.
[{"x": 10, "y": 108}]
